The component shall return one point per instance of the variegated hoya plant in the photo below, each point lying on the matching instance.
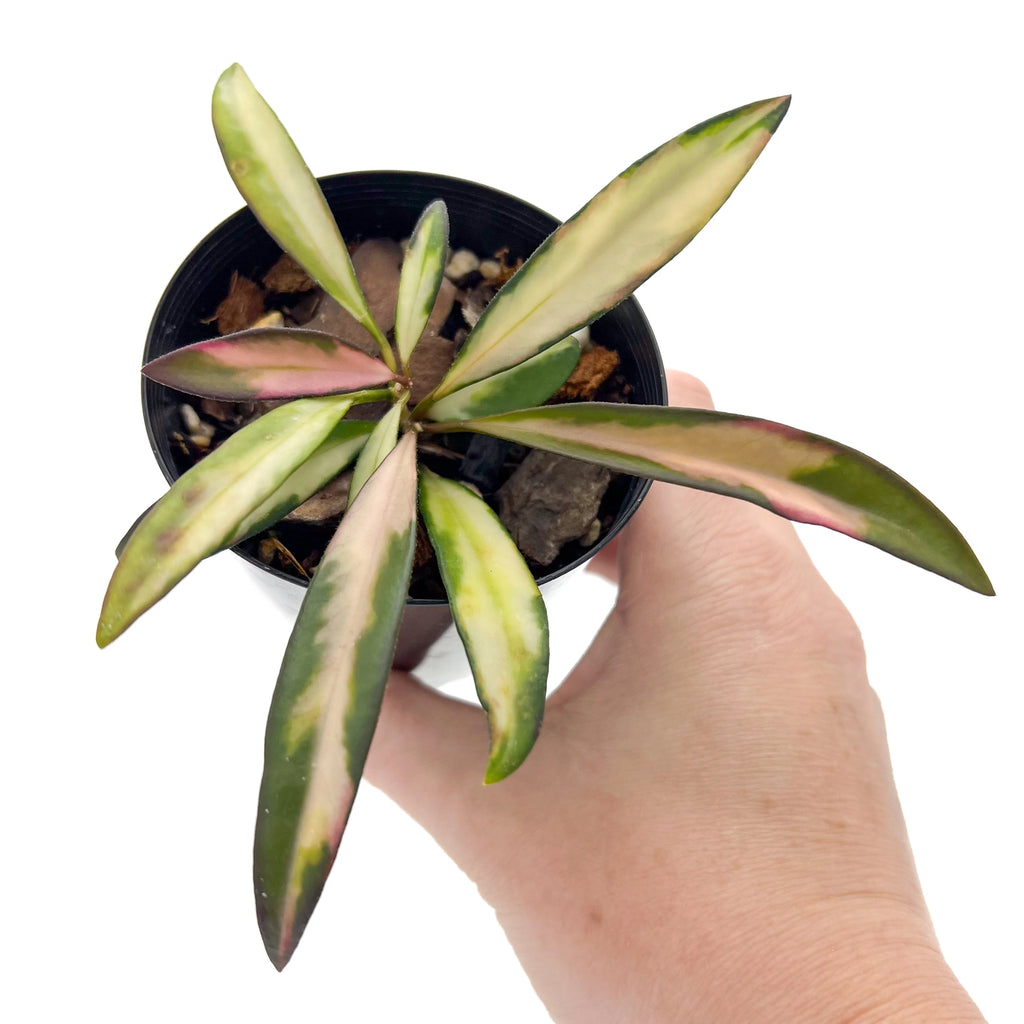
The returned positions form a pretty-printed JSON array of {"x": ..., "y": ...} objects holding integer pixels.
[{"x": 332, "y": 680}]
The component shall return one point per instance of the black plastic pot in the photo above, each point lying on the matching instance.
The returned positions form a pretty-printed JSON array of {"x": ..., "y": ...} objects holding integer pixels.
[{"x": 370, "y": 204}]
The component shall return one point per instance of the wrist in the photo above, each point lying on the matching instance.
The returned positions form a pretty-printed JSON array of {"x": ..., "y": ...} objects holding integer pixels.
[
  {"x": 895, "y": 986},
  {"x": 884, "y": 968}
]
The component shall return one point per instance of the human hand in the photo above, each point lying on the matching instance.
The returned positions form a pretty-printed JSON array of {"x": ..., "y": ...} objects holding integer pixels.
[{"x": 707, "y": 828}]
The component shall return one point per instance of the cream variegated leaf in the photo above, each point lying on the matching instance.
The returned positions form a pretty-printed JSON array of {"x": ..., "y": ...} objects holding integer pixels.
[
  {"x": 327, "y": 699},
  {"x": 420, "y": 281},
  {"x": 626, "y": 232},
  {"x": 281, "y": 191},
  {"x": 205, "y": 506},
  {"x": 377, "y": 448},
  {"x": 498, "y": 612},
  {"x": 336, "y": 452}
]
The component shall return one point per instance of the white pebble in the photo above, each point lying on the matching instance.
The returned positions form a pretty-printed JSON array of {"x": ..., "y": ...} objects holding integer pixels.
[
  {"x": 490, "y": 269},
  {"x": 462, "y": 262},
  {"x": 189, "y": 418},
  {"x": 275, "y": 318}
]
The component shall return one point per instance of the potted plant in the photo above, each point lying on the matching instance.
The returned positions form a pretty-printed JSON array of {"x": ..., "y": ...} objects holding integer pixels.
[
  {"x": 384, "y": 204},
  {"x": 514, "y": 359}
]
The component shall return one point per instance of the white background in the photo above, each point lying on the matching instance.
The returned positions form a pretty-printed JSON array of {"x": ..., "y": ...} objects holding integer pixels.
[{"x": 863, "y": 282}]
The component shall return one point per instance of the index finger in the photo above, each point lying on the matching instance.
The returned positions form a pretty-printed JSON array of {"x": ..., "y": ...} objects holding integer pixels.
[
  {"x": 685, "y": 391},
  {"x": 681, "y": 534}
]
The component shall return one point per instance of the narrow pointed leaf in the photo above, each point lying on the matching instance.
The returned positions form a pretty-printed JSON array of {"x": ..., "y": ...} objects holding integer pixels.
[
  {"x": 530, "y": 383},
  {"x": 328, "y": 696},
  {"x": 336, "y": 452},
  {"x": 798, "y": 475},
  {"x": 268, "y": 362},
  {"x": 377, "y": 448},
  {"x": 338, "y": 449},
  {"x": 498, "y": 612},
  {"x": 273, "y": 178},
  {"x": 422, "y": 272},
  {"x": 626, "y": 232},
  {"x": 123, "y": 542},
  {"x": 205, "y": 506}
]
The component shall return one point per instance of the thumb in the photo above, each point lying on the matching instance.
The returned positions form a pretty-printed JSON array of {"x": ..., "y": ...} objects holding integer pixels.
[
  {"x": 684, "y": 391},
  {"x": 428, "y": 753},
  {"x": 684, "y": 534}
]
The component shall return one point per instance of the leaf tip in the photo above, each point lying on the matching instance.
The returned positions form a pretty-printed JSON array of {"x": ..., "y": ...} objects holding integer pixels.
[
  {"x": 774, "y": 117},
  {"x": 979, "y": 581},
  {"x": 508, "y": 752},
  {"x": 278, "y": 941},
  {"x": 154, "y": 370},
  {"x": 496, "y": 771},
  {"x": 279, "y": 956},
  {"x": 438, "y": 208},
  {"x": 228, "y": 74},
  {"x": 106, "y": 631}
]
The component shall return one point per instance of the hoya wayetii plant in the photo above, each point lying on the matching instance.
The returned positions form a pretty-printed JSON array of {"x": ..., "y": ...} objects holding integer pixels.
[{"x": 518, "y": 354}]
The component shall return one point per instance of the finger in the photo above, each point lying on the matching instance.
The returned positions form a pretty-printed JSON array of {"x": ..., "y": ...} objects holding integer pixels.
[
  {"x": 687, "y": 391},
  {"x": 684, "y": 391},
  {"x": 681, "y": 533},
  {"x": 428, "y": 752},
  {"x": 605, "y": 562},
  {"x": 686, "y": 553}
]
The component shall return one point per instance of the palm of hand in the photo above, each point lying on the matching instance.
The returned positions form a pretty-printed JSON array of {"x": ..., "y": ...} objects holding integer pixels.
[{"x": 711, "y": 801}]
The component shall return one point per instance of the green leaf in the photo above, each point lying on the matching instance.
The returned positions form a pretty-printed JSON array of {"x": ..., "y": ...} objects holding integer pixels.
[
  {"x": 205, "y": 506},
  {"x": 530, "y": 383},
  {"x": 267, "y": 363},
  {"x": 281, "y": 191},
  {"x": 798, "y": 475},
  {"x": 328, "y": 696},
  {"x": 377, "y": 448},
  {"x": 421, "y": 277},
  {"x": 624, "y": 234},
  {"x": 338, "y": 449},
  {"x": 498, "y": 612}
]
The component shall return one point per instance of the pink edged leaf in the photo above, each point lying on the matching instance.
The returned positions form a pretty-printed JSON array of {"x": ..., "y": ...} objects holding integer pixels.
[
  {"x": 335, "y": 452},
  {"x": 205, "y": 506},
  {"x": 798, "y": 475},
  {"x": 327, "y": 699},
  {"x": 268, "y": 362}
]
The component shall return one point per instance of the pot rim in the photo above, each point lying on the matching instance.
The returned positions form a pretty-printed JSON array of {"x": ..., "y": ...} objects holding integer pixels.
[{"x": 186, "y": 278}]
